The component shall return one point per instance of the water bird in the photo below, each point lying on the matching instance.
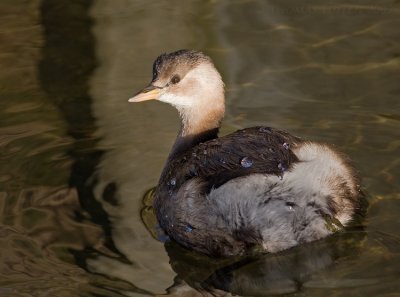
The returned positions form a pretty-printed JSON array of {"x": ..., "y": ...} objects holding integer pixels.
[{"x": 257, "y": 187}]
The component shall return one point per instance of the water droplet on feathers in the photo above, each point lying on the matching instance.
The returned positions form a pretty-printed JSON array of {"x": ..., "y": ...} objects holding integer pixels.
[
  {"x": 172, "y": 182},
  {"x": 282, "y": 167},
  {"x": 246, "y": 162}
]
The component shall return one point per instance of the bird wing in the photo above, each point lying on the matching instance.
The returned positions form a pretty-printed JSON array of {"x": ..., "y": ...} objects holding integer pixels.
[{"x": 247, "y": 151}]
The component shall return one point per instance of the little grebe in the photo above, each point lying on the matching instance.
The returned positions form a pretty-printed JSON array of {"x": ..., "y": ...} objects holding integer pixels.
[{"x": 257, "y": 186}]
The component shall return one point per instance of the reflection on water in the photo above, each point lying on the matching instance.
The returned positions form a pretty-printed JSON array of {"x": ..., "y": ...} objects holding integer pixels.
[
  {"x": 76, "y": 159},
  {"x": 260, "y": 275}
]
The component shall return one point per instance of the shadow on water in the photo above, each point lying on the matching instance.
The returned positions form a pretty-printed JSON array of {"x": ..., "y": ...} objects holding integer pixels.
[
  {"x": 67, "y": 64},
  {"x": 68, "y": 61}
]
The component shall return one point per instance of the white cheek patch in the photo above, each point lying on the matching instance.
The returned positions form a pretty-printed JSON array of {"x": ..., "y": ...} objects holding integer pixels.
[{"x": 175, "y": 100}]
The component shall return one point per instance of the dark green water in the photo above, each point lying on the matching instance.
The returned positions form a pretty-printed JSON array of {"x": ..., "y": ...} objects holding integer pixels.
[{"x": 76, "y": 159}]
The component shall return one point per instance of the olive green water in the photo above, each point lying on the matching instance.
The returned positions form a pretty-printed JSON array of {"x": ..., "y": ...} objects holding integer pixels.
[{"x": 76, "y": 159}]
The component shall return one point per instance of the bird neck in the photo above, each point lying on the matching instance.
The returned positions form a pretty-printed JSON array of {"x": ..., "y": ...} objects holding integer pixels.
[
  {"x": 196, "y": 127},
  {"x": 184, "y": 143}
]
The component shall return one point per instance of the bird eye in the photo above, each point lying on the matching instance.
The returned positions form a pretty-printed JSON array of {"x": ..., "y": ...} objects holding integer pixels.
[{"x": 175, "y": 79}]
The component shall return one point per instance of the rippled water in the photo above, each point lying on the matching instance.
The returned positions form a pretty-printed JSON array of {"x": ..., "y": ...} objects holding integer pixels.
[{"x": 77, "y": 159}]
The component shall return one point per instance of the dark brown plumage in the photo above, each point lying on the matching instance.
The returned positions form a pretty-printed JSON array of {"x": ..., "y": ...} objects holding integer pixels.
[{"x": 218, "y": 160}]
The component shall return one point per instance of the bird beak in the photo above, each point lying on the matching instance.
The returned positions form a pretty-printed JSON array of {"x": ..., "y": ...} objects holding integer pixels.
[{"x": 148, "y": 93}]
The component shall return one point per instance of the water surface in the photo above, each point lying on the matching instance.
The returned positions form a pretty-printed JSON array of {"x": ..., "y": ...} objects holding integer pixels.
[{"x": 77, "y": 159}]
